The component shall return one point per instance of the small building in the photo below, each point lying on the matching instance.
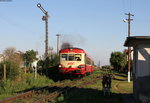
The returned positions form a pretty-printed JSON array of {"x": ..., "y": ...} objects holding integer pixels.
[{"x": 141, "y": 67}]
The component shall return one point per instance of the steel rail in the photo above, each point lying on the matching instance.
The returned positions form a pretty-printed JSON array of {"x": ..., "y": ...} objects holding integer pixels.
[
  {"x": 52, "y": 96},
  {"x": 23, "y": 95}
]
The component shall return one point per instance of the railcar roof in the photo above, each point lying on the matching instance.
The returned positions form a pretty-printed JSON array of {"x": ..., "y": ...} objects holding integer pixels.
[
  {"x": 72, "y": 48},
  {"x": 77, "y": 50}
]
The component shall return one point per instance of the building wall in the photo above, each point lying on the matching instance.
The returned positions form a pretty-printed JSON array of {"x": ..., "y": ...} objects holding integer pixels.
[{"x": 141, "y": 70}]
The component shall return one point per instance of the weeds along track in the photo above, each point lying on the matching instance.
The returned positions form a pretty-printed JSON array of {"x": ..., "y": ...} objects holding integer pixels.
[
  {"x": 70, "y": 86},
  {"x": 52, "y": 96},
  {"x": 35, "y": 92},
  {"x": 23, "y": 95},
  {"x": 49, "y": 93}
]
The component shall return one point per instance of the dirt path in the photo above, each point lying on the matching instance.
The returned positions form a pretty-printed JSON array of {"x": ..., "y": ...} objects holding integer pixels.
[
  {"x": 116, "y": 86},
  {"x": 127, "y": 98}
]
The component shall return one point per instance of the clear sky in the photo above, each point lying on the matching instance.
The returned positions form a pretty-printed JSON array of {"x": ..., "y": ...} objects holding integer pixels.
[{"x": 95, "y": 25}]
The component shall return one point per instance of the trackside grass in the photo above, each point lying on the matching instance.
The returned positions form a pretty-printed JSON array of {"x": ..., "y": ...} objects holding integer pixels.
[
  {"x": 88, "y": 93},
  {"x": 24, "y": 83},
  {"x": 92, "y": 93}
]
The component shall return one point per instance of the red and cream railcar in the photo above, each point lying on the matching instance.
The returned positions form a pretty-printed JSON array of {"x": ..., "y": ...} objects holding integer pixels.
[{"x": 74, "y": 61}]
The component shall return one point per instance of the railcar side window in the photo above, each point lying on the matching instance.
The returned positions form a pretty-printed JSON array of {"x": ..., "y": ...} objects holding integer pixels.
[
  {"x": 64, "y": 57},
  {"x": 88, "y": 60},
  {"x": 71, "y": 57}
]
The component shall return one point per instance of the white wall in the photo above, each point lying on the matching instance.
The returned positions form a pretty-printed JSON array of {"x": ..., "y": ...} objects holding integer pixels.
[{"x": 142, "y": 60}]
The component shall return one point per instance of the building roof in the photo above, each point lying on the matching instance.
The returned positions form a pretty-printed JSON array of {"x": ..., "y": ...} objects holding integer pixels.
[{"x": 134, "y": 40}]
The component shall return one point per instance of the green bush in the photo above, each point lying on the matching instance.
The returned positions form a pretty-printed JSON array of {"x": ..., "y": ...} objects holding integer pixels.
[
  {"x": 27, "y": 81},
  {"x": 6, "y": 87},
  {"x": 12, "y": 70},
  {"x": 39, "y": 81}
]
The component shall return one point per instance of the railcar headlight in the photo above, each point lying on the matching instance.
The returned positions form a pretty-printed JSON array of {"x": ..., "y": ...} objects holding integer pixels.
[{"x": 60, "y": 66}]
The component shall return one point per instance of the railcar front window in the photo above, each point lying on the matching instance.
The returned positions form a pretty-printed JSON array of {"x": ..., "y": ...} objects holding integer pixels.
[
  {"x": 71, "y": 57},
  {"x": 78, "y": 57},
  {"x": 64, "y": 57}
]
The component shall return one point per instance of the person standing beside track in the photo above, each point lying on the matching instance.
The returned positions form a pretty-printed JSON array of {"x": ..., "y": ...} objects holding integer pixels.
[{"x": 106, "y": 83}]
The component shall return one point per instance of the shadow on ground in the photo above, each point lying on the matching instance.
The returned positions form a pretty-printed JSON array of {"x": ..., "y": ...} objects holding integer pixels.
[
  {"x": 88, "y": 95},
  {"x": 122, "y": 75},
  {"x": 26, "y": 90},
  {"x": 120, "y": 79}
]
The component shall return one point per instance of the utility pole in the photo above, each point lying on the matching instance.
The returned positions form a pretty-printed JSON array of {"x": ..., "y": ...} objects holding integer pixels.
[
  {"x": 129, "y": 48},
  {"x": 50, "y": 52},
  {"x": 45, "y": 18},
  {"x": 58, "y": 42}
]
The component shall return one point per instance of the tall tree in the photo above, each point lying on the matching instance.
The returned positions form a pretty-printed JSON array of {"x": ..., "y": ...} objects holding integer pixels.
[
  {"x": 13, "y": 60},
  {"x": 29, "y": 57},
  {"x": 118, "y": 60},
  {"x": 10, "y": 54}
]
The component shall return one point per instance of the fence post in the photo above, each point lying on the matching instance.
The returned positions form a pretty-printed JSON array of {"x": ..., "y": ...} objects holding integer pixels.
[
  {"x": 25, "y": 70},
  {"x": 4, "y": 71}
]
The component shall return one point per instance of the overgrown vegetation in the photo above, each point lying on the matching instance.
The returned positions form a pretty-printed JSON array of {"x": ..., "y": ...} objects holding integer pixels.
[
  {"x": 11, "y": 54},
  {"x": 29, "y": 57},
  {"x": 93, "y": 93},
  {"x": 17, "y": 80},
  {"x": 12, "y": 70},
  {"x": 24, "y": 83},
  {"x": 48, "y": 65}
]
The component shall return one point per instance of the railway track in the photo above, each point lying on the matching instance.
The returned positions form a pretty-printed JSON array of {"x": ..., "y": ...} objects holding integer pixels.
[
  {"x": 23, "y": 95},
  {"x": 54, "y": 95},
  {"x": 53, "y": 91}
]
